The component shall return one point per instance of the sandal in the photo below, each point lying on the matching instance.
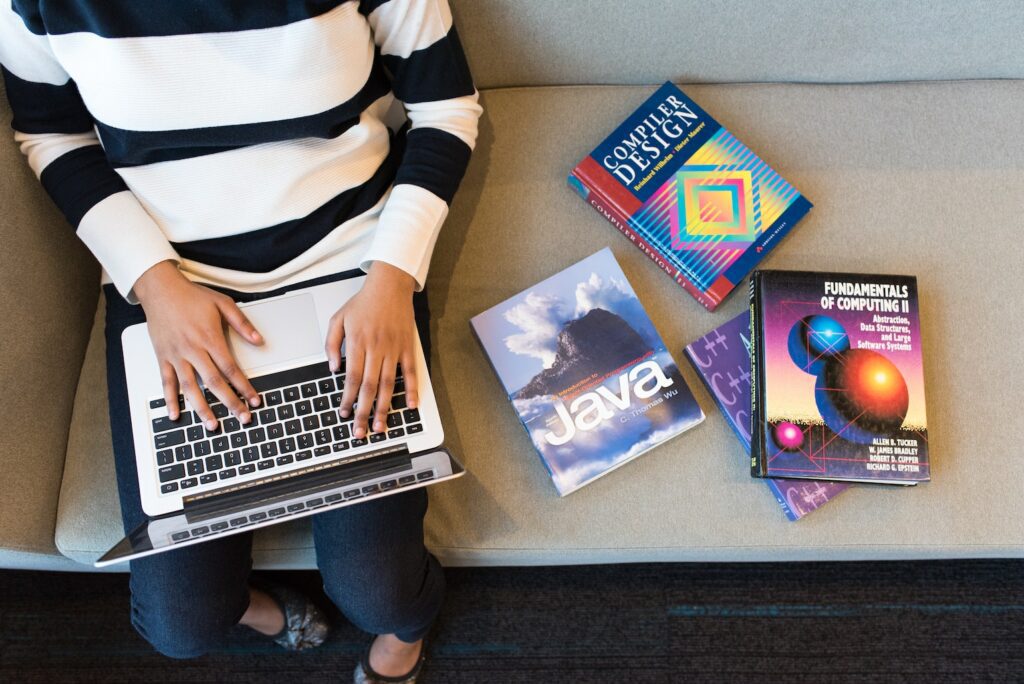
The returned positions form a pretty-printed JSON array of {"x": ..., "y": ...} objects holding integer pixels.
[
  {"x": 305, "y": 625},
  {"x": 365, "y": 674}
]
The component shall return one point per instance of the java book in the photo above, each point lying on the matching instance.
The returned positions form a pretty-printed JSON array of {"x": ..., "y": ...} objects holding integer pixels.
[
  {"x": 689, "y": 194},
  {"x": 838, "y": 378},
  {"x": 586, "y": 371},
  {"x": 722, "y": 360}
]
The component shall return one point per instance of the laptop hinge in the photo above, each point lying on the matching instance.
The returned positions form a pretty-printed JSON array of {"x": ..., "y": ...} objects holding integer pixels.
[{"x": 383, "y": 461}]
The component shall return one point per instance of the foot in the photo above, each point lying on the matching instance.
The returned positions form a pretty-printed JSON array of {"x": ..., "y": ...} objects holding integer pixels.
[
  {"x": 392, "y": 657},
  {"x": 264, "y": 614}
]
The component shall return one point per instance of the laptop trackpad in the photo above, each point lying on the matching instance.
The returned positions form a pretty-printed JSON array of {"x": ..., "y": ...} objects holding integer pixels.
[{"x": 289, "y": 327}]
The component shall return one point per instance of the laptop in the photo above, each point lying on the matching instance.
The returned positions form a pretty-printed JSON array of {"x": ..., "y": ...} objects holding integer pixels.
[{"x": 297, "y": 458}]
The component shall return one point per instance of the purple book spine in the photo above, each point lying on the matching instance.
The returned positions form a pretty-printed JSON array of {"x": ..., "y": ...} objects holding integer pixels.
[{"x": 722, "y": 360}]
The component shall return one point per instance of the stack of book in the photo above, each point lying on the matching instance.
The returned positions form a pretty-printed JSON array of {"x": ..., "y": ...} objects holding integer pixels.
[{"x": 821, "y": 379}]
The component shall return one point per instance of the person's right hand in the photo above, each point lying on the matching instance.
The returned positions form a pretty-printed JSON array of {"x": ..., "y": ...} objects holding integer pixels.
[{"x": 186, "y": 324}]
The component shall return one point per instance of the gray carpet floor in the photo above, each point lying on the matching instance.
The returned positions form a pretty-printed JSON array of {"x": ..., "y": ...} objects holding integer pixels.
[{"x": 932, "y": 622}]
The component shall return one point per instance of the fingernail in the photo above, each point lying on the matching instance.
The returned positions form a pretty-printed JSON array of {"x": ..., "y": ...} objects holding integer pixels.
[
  {"x": 255, "y": 401},
  {"x": 256, "y": 337},
  {"x": 343, "y": 412},
  {"x": 359, "y": 432},
  {"x": 211, "y": 425},
  {"x": 246, "y": 417},
  {"x": 378, "y": 426}
]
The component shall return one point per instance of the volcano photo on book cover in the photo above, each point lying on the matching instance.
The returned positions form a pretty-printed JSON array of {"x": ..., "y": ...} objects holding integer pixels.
[{"x": 586, "y": 371}]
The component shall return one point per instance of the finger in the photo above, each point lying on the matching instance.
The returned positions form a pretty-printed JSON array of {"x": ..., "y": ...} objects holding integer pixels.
[
  {"x": 367, "y": 391},
  {"x": 237, "y": 320},
  {"x": 230, "y": 370},
  {"x": 216, "y": 383},
  {"x": 353, "y": 378},
  {"x": 412, "y": 394},
  {"x": 189, "y": 385},
  {"x": 384, "y": 391},
  {"x": 335, "y": 336},
  {"x": 170, "y": 382}
]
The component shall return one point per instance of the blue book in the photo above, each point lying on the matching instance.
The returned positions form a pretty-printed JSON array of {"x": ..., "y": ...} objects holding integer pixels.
[
  {"x": 722, "y": 360},
  {"x": 586, "y": 371},
  {"x": 689, "y": 194}
]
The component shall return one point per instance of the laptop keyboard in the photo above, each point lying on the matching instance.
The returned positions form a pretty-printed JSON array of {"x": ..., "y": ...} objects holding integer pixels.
[{"x": 297, "y": 421}]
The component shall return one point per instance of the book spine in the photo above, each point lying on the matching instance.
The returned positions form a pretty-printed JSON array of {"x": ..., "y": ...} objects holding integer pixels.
[
  {"x": 756, "y": 383},
  {"x": 591, "y": 192}
]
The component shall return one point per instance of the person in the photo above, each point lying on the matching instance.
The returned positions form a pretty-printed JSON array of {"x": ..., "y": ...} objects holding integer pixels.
[{"x": 208, "y": 152}]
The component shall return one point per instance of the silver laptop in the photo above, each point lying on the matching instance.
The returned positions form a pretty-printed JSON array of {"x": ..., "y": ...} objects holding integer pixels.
[{"x": 298, "y": 457}]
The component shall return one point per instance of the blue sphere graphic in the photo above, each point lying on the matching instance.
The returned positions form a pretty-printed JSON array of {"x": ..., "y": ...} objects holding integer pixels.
[{"x": 813, "y": 340}]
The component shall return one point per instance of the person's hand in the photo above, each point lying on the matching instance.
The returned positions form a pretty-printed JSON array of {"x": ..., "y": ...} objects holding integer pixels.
[
  {"x": 186, "y": 324},
  {"x": 378, "y": 328}
]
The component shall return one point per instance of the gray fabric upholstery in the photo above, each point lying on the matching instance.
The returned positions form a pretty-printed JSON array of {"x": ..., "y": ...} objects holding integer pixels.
[
  {"x": 49, "y": 285},
  {"x": 548, "y": 42},
  {"x": 900, "y": 185}
]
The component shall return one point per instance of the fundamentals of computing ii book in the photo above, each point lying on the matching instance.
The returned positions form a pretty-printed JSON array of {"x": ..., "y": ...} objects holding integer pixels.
[
  {"x": 722, "y": 360},
  {"x": 586, "y": 371},
  {"x": 838, "y": 381},
  {"x": 689, "y": 194}
]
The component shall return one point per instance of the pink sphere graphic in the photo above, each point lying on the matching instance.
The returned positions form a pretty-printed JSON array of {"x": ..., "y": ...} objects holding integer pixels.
[{"x": 788, "y": 436}]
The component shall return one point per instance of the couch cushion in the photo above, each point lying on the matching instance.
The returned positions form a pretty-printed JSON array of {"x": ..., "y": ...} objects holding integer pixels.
[
  {"x": 540, "y": 42},
  {"x": 917, "y": 178}
]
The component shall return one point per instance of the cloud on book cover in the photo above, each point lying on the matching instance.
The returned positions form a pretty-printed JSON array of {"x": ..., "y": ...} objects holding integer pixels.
[{"x": 540, "y": 317}]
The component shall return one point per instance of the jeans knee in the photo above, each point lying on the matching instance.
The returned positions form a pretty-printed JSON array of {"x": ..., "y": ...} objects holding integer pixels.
[{"x": 179, "y": 632}]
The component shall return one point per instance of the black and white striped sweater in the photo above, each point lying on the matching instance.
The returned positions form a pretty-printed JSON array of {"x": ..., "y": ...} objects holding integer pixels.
[{"x": 245, "y": 139}]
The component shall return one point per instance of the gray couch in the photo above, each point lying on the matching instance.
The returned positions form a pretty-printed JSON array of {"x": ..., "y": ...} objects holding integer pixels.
[{"x": 900, "y": 120}]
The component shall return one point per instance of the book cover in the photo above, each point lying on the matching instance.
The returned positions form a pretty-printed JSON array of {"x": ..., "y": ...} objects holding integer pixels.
[
  {"x": 838, "y": 378},
  {"x": 586, "y": 371},
  {"x": 689, "y": 194},
  {"x": 722, "y": 360}
]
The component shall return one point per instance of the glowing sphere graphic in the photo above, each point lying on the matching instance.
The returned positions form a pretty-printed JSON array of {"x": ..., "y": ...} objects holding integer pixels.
[
  {"x": 788, "y": 436},
  {"x": 861, "y": 394},
  {"x": 813, "y": 340}
]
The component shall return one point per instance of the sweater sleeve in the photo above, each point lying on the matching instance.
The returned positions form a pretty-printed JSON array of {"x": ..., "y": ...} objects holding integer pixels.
[
  {"x": 56, "y": 133},
  {"x": 420, "y": 49}
]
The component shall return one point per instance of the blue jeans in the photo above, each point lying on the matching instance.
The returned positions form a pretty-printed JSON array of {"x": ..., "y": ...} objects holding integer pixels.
[{"x": 371, "y": 555}]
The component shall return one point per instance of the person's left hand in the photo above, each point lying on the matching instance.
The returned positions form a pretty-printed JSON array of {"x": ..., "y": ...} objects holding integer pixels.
[{"x": 378, "y": 327}]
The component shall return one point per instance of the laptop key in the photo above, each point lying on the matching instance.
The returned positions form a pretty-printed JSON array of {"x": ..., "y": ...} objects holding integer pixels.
[
  {"x": 322, "y": 451},
  {"x": 341, "y": 432},
  {"x": 323, "y": 436},
  {"x": 263, "y": 465},
  {"x": 321, "y": 403},
  {"x": 310, "y": 423},
  {"x": 256, "y": 517},
  {"x": 219, "y": 410},
  {"x": 340, "y": 446},
  {"x": 257, "y": 435},
  {"x": 303, "y": 408},
  {"x": 190, "y": 482},
  {"x": 199, "y": 531},
  {"x": 284, "y": 460},
  {"x": 425, "y": 475},
  {"x": 352, "y": 493},
  {"x": 230, "y": 472},
  {"x": 165, "y": 423},
  {"x": 233, "y": 458},
  {"x": 286, "y": 412},
  {"x": 169, "y": 487},
  {"x": 238, "y": 440},
  {"x": 157, "y": 403},
  {"x": 371, "y": 489},
  {"x": 397, "y": 432},
  {"x": 220, "y": 443},
  {"x": 378, "y": 437},
  {"x": 292, "y": 427},
  {"x": 336, "y": 399},
  {"x": 313, "y": 503},
  {"x": 308, "y": 390},
  {"x": 172, "y": 472},
  {"x": 286, "y": 445},
  {"x": 250, "y": 454},
  {"x": 166, "y": 440},
  {"x": 195, "y": 468},
  {"x": 194, "y": 433},
  {"x": 406, "y": 479},
  {"x": 232, "y": 425},
  {"x": 165, "y": 457},
  {"x": 398, "y": 401},
  {"x": 388, "y": 485},
  {"x": 247, "y": 468},
  {"x": 411, "y": 415},
  {"x": 180, "y": 536},
  {"x": 268, "y": 450},
  {"x": 275, "y": 431},
  {"x": 306, "y": 441},
  {"x": 203, "y": 448},
  {"x": 208, "y": 478},
  {"x": 328, "y": 418},
  {"x": 331, "y": 498},
  {"x": 295, "y": 507},
  {"x": 218, "y": 526},
  {"x": 273, "y": 398},
  {"x": 267, "y": 416},
  {"x": 326, "y": 385},
  {"x": 275, "y": 512},
  {"x": 236, "y": 522},
  {"x": 304, "y": 455},
  {"x": 414, "y": 428},
  {"x": 359, "y": 442},
  {"x": 214, "y": 462},
  {"x": 291, "y": 394},
  {"x": 394, "y": 419}
]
